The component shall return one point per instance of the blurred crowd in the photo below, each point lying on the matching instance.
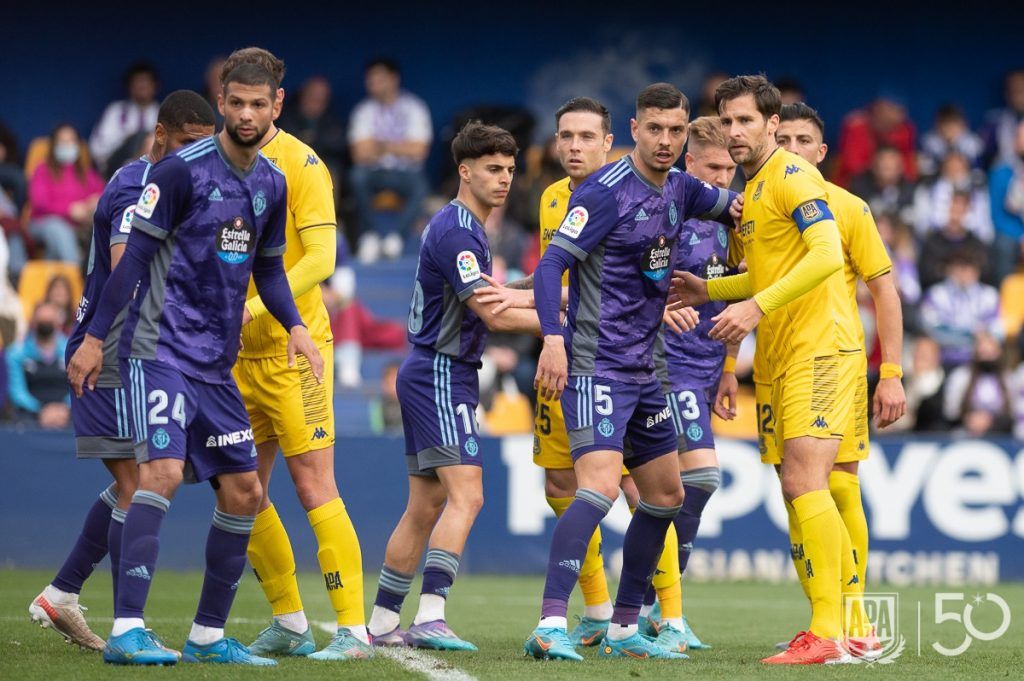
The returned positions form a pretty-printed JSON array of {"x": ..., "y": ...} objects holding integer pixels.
[{"x": 949, "y": 204}]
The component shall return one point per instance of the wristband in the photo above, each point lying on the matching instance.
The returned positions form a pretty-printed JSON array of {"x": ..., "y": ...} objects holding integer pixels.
[
  {"x": 730, "y": 365},
  {"x": 890, "y": 370}
]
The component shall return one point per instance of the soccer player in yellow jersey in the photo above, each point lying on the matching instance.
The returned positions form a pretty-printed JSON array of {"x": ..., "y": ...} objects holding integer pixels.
[
  {"x": 802, "y": 132},
  {"x": 794, "y": 290},
  {"x": 291, "y": 412}
]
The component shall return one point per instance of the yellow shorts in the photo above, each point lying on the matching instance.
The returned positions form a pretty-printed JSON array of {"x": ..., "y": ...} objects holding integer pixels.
[
  {"x": 287, "y": 404},
  {"x": 824, "y": 397},
  {"x": 550, "y": 438}
]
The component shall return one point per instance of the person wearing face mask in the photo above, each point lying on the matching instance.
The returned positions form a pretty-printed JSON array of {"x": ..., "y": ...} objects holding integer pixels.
[
  {"x": 978, "y": 399},
  {"x": 63, "y": 193},
  {"x": 35, "y": 370}
]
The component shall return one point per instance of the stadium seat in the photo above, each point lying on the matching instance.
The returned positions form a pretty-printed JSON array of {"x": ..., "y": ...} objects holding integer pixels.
[{"x": 36, "y": 276}]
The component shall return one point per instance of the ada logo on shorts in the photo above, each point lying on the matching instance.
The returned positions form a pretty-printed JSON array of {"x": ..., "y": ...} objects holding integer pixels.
[
  {"x": 606, "y": 427},
  {"x": 148, "y": 200},
  {"x": 259, "y": 203},
  {"x": 574, "y": 222},
  {"x": 471, "y": 447},
  {"x": 235, "y": 241},
  {"x": 160, "y": 439},
  {"x": 694, "y": 432},
  {"x": 469, "y": 268}
]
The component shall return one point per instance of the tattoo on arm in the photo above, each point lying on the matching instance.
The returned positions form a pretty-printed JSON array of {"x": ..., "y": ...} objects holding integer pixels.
[{"x": 521, "y": 284}]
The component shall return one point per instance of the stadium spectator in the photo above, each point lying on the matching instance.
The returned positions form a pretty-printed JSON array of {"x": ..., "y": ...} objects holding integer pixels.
[
  {"x": 12, "y": 178},
  {"x": 924, "y": 383},
  {"x": 36, "y": 382},
  {"x": 59, "y": 294},
  {"x": 791, "y": 89},
  {"x": 311, "y": 118},
  {"x": 125, "y": 117},
  {"x": 389, "y": 136},
  {"x": 1011, "y": 302},
  {"x": 508, "y": 241},
  {"x": 62, "y": 193},
  {"x": 999, "y": 130},
  {"x": 885, "y": 186},
  {"x": 959, "y": 308},
  {"x": 1006, "y": 198},
  {"x": 884, "y": 122},
  {"x": 899, "y": 241},
  {"x": 954, "y": 236},
  {"x": 931, "y": 200},
  {"x": 978, "y": 398},
  {"x": 707, "y": 107},
  {"x": 950, "y": 133},
  {"x": 12, "y": 318}
]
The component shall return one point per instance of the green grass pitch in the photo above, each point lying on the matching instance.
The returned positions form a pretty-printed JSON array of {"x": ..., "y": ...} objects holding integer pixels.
[{"x": 742, "y": 621}]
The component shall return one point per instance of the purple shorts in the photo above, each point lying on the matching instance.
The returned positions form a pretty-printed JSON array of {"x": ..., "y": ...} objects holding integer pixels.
[
  {"x": 601, "y": 413},
  {"x": 691, "y": 414},
  {"x": 439, "y": 398},
  {"x": 102, "y": 424},
  {"x": 175, "y": 416}
]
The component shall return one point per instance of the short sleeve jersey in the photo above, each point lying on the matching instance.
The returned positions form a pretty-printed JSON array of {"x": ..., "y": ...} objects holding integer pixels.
[
  {"x": 553, "y": 204},
  {"x": 623, "y": 231},
  {"x": 310, "y": 207},
  {"x": 453, "y": 254},
  {"x": 786, "y": 196},
  {"x": 694, "y": 359},
  {"x": 111, "y": 224},
  {"x": 214, "y": 220}
]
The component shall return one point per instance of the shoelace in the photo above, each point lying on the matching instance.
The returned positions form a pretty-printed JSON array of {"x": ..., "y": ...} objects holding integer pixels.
[{"x": 799, "y": 641}]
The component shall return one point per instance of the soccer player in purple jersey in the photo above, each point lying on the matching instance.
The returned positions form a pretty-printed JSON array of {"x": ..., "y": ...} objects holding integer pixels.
[
  {"x": 696, "y": 371},
  {"x": 100, "y": 417},
  {"x": 210, "y": 216},
  {"x": 618, "y": 238},
  {"x": 439, "y": 391}
]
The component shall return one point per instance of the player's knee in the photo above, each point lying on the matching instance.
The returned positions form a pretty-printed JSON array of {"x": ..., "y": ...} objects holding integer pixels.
[
  {"x": 315, "y": 493},
  {"x": 793, "y": 486},
  {"x": 164, "y": 480},
  {"x": 666, "y": 498},
  {"x": 558, "y": 488},
  {"x": 469, "y": 502}
]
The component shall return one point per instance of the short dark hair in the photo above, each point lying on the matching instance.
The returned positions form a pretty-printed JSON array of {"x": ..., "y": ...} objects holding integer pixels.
[
  {"x": 476, "y": 140},
  {"x": 949, "y": 112},
  {"x": 185, "y": 107},
  {"x": 252, "y": 74},
  {"x": 587, "y": 105},
  {"x": 140, "y": 68},
  {"x": 253, "y": 55},
  {"x": 386, "y": 63},
  {"x": 766, "y": 96},
  {"x": 798, "y": 111},
  {"x": 662, "y": 96}
]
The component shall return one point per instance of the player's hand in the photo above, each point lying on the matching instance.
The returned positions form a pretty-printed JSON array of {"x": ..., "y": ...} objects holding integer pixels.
[
  {"x": 736, "y": 210},
  {"x": 890, "y": 402},
  {"x": 84, "y": 367},
  {"x": 681, "y": 320},
  {"x": 690, "y": 290},
  {"x": 552, "y": 368},
  {"x": 299, "y": 343},
  {"x": 502, "y": 297},
  {"x": 725, "y": 400},
  {"x": 736, "y": 321}
]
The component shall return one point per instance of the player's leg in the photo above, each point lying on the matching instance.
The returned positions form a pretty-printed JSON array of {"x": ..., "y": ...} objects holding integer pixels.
[{"x": 402, "y": 555}]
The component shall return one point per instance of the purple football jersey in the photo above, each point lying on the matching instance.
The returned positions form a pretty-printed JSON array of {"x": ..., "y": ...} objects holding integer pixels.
[
  {"x": 693, "y": 359},
  {"x": 453, "y": 254},
  {"x": 214, "y": 220},
  {"x": 623, "y": 232},
  {"x": 111, "y": 224}
]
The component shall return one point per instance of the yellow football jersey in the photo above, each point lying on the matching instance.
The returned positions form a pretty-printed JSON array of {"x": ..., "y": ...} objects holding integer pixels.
[
  {"x": 820, "y": 322},
  {"x": 310, "y": 206},
  {"x": 554, "y": 202}
]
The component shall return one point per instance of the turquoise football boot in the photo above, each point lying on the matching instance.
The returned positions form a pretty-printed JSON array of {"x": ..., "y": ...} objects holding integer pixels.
[
  {"x": 551, "y": 643},
  {"x": 224, "y": 651},
  {"x": 278, "y": 640}
]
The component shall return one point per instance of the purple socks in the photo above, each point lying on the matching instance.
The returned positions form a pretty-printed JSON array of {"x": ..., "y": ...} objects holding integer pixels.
[
  {"x": 91, "y": 545},
  {"x": 225, "y": 561},
  {"x": 569, "y": 547},
  {"x": 140, "y": 545},
  {"x": 641, "y": 549}
]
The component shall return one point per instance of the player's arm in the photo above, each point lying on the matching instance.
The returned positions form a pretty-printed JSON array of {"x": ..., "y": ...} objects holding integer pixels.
[
  {"x": 158, "y": 211},
  {"x": 703, "y": 201},
  {"x": 272, "y": 283},
  {"x": 728, "y": 386},
  {"x": 311, "y": 201},
  {"x": 512, "y": 295}
]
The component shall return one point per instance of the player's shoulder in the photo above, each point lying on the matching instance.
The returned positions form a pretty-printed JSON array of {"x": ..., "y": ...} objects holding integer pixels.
[
  {"x": 789, "y": 165},
  {"x": 289, "y": 153},
  {"x": 842, "y": 198},
  {"x": 554, "y": 192},
  {"x": 604, "y": 183},
  {"x": 129, "y": 177},
  {"x": 453, "y": 218},
  {"x": 192, "y": 153}
]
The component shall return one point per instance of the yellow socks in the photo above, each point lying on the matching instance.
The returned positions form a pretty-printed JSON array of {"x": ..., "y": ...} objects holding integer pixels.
[
  {"x": 341, "y": 561},
  {"x": 845, "y": 490},
  {"x": 822, "y": 530},
  {"x": 270, "y": 553},
  {"x": 796, "y": 548},
  {"x": 666, "y": 578},
  {"x": 593, "y": 583}
]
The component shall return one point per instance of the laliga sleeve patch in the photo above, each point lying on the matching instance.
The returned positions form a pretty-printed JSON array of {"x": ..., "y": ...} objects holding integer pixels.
[
  {"x": 148, "y": 200},
  {"x": 469, "y": 268},
  {"x": 811, "y": 212},
  {"x": 574, "y": 222},
  {"x": 126, "y": 220}
]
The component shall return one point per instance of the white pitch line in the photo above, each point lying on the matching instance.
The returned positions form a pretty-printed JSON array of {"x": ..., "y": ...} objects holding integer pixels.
[{"x": 414, "y": 660}]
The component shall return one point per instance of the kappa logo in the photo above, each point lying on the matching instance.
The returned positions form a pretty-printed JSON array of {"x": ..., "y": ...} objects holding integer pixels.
[
  {"x": 319, "y": 433},
  {"x": 234, "y": 438},
  {"x": 215, "y": 195},
  {"x": 140, "y": 572},
  {"x": 791, "y": 170},
  {"x": 573, "y": 565},
  {"x": 641, "y": 215},
  {"x": 311, "y": 160},
  {"x": 820, "y": 422},
  {"x": 553, "y": 204}
]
